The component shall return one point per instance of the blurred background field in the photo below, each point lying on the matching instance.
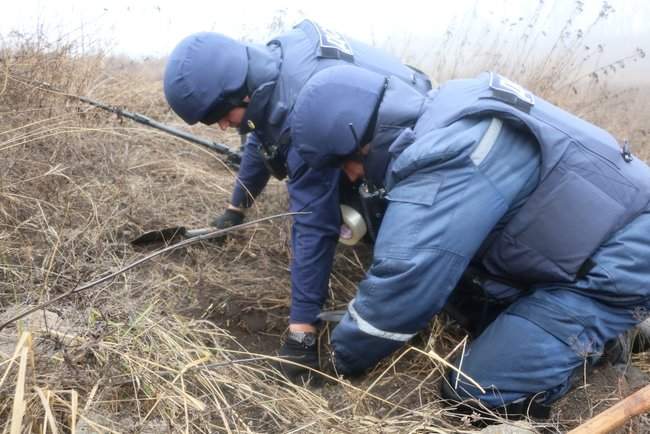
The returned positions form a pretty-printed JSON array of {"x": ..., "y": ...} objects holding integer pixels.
[{"x": 179, "y": 344}]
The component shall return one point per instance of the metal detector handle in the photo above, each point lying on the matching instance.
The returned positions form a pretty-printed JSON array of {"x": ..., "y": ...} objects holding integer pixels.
[{"x": 191, "y": 233}]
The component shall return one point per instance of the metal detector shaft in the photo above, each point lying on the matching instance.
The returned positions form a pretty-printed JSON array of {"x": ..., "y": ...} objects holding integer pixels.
[{"x": 233, "y": 158}]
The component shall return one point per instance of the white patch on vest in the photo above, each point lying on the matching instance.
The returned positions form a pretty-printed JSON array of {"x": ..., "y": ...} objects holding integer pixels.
[
  {"x": 487, "y": 142},
  {"x": 330, "y": 38},
  {"x": 371, "y": 330},
  {"x": 518, "y": 96}
]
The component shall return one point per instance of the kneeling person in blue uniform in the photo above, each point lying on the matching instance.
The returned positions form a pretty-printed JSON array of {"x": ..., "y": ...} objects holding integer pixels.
[{"x": 481, "y": 173}]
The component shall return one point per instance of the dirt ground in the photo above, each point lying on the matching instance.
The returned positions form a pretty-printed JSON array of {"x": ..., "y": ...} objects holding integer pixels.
[{"x": 260, "y": 329}]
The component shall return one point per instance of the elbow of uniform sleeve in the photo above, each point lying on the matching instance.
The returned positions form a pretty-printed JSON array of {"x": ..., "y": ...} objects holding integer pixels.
[
  {"x": 401, "y": 293},
  {"x": 398, "y": 298}
]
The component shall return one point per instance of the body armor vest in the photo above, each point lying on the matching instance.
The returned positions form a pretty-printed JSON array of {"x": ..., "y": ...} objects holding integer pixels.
[{"x": 589, "y": 188}]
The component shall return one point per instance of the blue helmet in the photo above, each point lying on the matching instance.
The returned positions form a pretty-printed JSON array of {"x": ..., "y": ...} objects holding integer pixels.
[
  {"x": 205, "y": 73},
  {"x": 333, "y": 112}
]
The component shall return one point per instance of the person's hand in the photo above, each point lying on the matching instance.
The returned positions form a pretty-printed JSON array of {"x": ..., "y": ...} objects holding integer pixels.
[{"x": 230, "y": 217}]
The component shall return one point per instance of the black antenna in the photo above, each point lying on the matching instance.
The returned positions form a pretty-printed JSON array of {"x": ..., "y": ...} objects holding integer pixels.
[
  {"x": 354, "y": 134},
  {"x": 233, "y": 158}
]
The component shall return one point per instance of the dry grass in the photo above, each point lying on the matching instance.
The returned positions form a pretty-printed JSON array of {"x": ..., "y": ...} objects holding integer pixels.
[
  {"x": 562, "y": 63},
  {"x": 173, "y": 346}
]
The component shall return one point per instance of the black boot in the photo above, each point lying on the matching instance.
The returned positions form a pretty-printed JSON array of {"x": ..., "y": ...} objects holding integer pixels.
[
  {"x": 301, "y": 348},
  {"x": 619, "y": 350},
  {"x": 530, "y": 407}
]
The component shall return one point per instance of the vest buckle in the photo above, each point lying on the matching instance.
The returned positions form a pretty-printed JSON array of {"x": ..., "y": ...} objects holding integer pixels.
[{"x": 625, "y": 152}]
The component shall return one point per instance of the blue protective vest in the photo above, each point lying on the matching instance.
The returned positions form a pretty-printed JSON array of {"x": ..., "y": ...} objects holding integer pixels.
[
  {"x": 309, "y": 48},
  {"x": 589, "y": 187}
]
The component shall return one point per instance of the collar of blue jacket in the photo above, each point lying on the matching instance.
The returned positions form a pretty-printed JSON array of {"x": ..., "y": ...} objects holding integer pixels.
[
  {"x": 399, "y": 109},
  {"x": 263, "y": 71}
]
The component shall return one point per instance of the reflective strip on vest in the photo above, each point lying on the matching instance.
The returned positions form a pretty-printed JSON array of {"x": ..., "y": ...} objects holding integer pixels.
[
  {"x": 488, "y": 140},
  {"x": 371, "y": 330}
]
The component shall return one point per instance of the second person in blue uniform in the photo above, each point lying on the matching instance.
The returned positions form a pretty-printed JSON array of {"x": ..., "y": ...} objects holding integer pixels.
[{"x": 482, "y": 173}]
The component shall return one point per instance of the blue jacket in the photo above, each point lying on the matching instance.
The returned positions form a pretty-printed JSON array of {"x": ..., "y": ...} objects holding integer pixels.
[
  {"x": 491, "y": 174},
  {"x": 277, "y": 73}
]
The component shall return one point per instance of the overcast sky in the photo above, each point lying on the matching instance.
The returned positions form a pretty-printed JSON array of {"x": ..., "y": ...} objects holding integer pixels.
[{"x": 152, "y": 28}]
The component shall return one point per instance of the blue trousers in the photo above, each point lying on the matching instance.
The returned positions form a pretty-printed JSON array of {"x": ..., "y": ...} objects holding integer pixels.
[{"x": 538, "y": 342}]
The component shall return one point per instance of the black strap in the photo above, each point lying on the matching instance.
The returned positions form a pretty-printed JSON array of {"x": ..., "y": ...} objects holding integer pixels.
[{"x": 585, "y": 268}]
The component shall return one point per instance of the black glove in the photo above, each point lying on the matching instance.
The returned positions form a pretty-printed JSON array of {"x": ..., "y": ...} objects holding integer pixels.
[
  {"x": 229, "y": 218},
  {"x": 300, "y": 348}
]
